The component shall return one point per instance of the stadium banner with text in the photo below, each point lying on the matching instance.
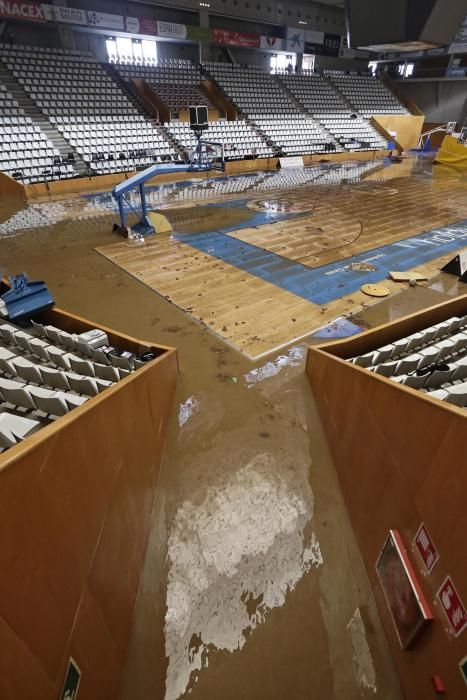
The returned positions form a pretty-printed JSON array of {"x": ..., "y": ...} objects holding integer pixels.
[
  {"x": 64, "y": 15},
  {"x": 271, "y": 43},
  {"x": 31, "y": 11},
  {"x": 230, "y": 38},
  {"x": 103, "y": 19},
  {"x": 329, "y": 46},
  {"x": 141, "y": 25},
  {"x": 171, "y": 30}
]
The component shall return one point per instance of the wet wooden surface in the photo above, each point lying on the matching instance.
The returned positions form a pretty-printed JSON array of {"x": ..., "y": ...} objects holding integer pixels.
[{"x": 331, "y": 224}]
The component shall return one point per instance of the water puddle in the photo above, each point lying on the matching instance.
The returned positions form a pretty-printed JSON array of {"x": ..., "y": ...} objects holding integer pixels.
[{"x": 232, "y": 558}]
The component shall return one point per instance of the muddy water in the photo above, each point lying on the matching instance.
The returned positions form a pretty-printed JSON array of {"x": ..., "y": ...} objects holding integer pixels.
[
  {"x": 200, "y": 220},
  {"x": 253, "y": 586}
]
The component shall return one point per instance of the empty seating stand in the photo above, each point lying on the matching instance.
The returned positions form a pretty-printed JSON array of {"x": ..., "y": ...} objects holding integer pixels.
[
  {"x": 262, "y": 98},
  {"x": 178, "y": 83},
  {"x": 46, "y": 373},
  {"x": 350, "y": 129},
  {"x": 433, "y": 361},
  {"x": 239, "y": 138},
  {"x": 88, "y": 104},
  {"x": 25, "y": 151},
  {"x": 366, "y": 93},
  {"x": 89, "y": 108}
]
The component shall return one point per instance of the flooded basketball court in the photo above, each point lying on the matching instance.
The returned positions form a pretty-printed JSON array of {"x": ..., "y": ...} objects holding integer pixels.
[{"x": 253, "y": 585}]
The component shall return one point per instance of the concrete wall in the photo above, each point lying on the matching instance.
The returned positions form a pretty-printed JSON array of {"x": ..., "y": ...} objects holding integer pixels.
[
  {"x": 260, "y": 16},
  {"x": 439, "y": 100},
  {"x": 336, "y": 63}
]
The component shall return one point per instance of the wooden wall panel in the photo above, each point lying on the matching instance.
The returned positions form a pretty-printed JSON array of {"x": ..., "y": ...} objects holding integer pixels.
[
  {"x": 401, "y": 460},
  {"x": 400, "y": 94},
  {"x": 218, "y": 99},
  {"x": 106, "y": 182},
  {"x": 407, "y": 126},
  {"x": 76, "y": 500},
  {"x": 438, "y": 137},
  {"x": 10, "y": 188}
]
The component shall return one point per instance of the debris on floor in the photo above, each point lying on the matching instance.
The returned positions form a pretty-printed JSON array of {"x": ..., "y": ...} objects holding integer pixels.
[
  {"x": 362, "y": 267},
  {"x": 408, "y": 276},
  {"x": 375, "y": 290},
  {"x": 340, "y": 328}
]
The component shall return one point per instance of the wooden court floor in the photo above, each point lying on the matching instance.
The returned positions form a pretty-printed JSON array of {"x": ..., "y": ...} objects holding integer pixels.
[{"x": 330, "y": 223}]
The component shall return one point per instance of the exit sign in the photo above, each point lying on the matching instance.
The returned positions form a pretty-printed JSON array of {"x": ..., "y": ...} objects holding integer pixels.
[{"x": 72, "y": 679}]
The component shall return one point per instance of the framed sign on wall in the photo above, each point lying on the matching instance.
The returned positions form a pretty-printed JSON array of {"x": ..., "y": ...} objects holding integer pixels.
[{"x": 406, "y": 603}]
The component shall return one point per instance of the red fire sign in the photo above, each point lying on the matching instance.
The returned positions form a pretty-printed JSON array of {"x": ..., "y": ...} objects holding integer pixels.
[
  {"x": 426, "y": 548},
  {"x": 452, "y": 606}
]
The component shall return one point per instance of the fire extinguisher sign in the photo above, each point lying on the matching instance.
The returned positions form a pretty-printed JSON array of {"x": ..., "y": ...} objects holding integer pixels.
[{"x": 453, "y": 606}]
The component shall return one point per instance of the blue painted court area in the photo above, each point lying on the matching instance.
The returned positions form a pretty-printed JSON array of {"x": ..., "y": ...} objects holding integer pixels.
[{"x": 324, "y": 284}]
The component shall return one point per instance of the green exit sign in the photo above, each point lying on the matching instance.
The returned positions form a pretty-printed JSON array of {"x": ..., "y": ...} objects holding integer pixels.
[
  {"x": 463, "y": 668},
  {"x": 72, "y": 679}
]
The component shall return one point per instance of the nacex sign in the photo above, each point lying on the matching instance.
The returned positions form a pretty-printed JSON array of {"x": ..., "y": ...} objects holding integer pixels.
[{"x": 21, "y": 10}]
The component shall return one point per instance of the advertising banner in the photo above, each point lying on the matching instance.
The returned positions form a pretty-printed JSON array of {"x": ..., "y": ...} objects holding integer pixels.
[
  {"x": 141, "y": 25},
  {"x": 295, "y": 40},
  {"x": 65, "y": 15},
  {"x": 21, "y": 10},
  {"x": 271, "y": 43},
  {"x": 329, "y": 46},
  {"x": 198, "y": 33},
  {"x": 103, "y": 19},
  {"x": 313, "y": 37},
  {"x": 225, "y": 36},
  {"x": 171, "y": 30}
]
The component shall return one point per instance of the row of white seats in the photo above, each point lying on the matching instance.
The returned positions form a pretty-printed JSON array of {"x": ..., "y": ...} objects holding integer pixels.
[
  {"x": 36, "y": 398},
  {"x": 26, "y": 153},
  {"x": 14, "y": 428},
  {"x": 367, "y": 94},
  {"x": 421, "y": 339},
  {"x": 433, "y": 360},
  {"x": 236, "y": 135}
]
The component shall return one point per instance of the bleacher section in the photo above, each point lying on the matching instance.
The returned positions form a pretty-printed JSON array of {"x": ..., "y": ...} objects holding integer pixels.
[
  {"x": 366, "y": 93},
  {"x": 433, "y": 360},
  {"x": 239, "y": 138},
  {"x": 294, "y": 135},
  {"x": 110, "y": 144},
  {"x": 88, "y": 107},
  {"x": 260, "y": 97},
  {"x": 177, "y": 84},
  {"x": 327, "y": 106},
  {"x": 46, "y": 373},
  {"x": 25, "y": 151}
]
